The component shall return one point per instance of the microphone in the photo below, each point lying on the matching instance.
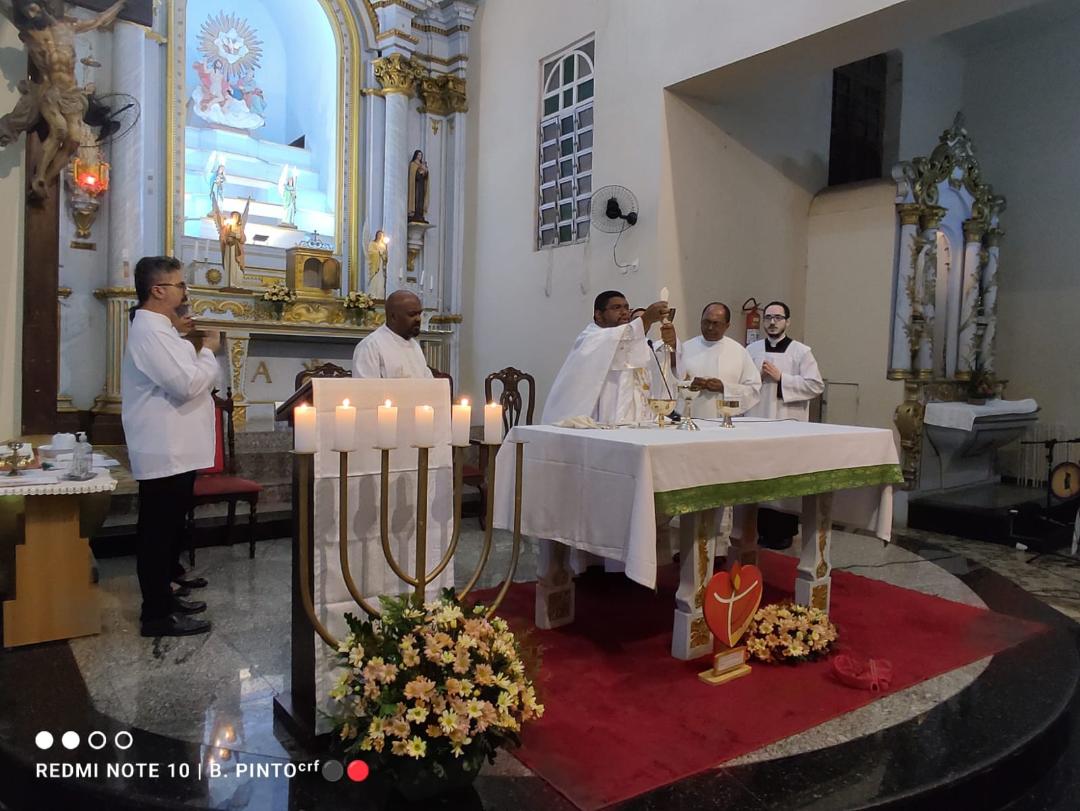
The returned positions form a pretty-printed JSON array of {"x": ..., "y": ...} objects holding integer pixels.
[{"x": 660, "y": 368}]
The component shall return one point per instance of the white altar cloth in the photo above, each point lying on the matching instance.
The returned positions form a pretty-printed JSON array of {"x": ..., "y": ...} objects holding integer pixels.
[
  {"x": 600, "y": 490},
  {"x": 962, "y": 416}
]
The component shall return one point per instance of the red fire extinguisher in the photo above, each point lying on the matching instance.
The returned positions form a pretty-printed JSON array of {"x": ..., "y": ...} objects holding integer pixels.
[{"x": 753, "y": 320}]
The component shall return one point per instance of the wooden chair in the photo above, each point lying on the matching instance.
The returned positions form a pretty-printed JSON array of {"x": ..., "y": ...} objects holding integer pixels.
[
  {"x": 516, "y": 407},
  {"x": 322, "y": 370},
  {"x": 219, "y": 483}
]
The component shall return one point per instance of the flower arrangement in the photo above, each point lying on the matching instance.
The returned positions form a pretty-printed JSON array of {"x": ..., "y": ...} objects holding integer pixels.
[
  {"x": 359, "y": 301},
  {"x": 278, "y": 291},
  {"x": 982, "y": 386},
  {"x": 788, "y": 632},
  {"x": 435, "y": 682}
]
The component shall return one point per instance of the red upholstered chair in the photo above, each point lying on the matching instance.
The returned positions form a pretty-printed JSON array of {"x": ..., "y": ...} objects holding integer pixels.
[
  {"x": 219, "y": 483},
  {"x": 517, "y": 409}
]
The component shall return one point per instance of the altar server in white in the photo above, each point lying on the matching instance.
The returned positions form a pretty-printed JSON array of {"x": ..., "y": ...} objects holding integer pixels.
[
  {"x": 789, "y": 371},
  {"x": 718, "y": 365},
  {"x": 392, "y": 350},
  {"x": 603, "y": 374}
]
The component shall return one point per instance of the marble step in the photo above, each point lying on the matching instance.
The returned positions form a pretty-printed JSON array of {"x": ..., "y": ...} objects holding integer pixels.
[{"x": 238, "y": 147}]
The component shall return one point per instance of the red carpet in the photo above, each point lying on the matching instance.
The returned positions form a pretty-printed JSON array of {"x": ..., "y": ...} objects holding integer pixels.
[{"x": 623, "y": 717}]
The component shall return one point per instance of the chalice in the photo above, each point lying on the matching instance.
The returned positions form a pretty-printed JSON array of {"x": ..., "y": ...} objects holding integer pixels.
[
  {"x": 689, "y": 395},
  {"x": 661, "y": 408},
  {"x": 727, "y": 406}
]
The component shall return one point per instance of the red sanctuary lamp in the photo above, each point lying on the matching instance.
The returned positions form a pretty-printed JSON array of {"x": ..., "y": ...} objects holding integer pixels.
[{"x": 88, "y": 181}]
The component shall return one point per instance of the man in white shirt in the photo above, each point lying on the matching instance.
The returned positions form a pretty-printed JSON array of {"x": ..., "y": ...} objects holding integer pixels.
[
  {"x": 718, "y": 366},
  {"x": 790, "y": 381},
  {"x": 392, "y": 350},
  {"x": 603, "y": 374},
  {"x": 168, "y": 418}
]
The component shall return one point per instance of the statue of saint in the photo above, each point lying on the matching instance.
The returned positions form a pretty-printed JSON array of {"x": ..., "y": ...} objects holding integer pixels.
[
  {"x": 376, "y": 258},
  {"x": 55, "y": 96},
  {"x": 231, "y": 234},
  {"x": 418, "y": 187},
  {"x": 217, "y": 187},
  {"x": 288, "y": 200}
]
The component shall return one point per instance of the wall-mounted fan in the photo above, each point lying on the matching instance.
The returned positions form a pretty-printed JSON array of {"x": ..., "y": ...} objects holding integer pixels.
[
  {"x": 112, "y": 116},
  {"x": 613, "y": 209}
]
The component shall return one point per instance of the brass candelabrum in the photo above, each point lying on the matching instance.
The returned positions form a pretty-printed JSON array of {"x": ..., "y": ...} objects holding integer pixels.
[{"x": 422, "y": 577}]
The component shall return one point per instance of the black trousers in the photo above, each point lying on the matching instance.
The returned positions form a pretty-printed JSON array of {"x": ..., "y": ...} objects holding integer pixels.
[{"x": 163, "y": 506}]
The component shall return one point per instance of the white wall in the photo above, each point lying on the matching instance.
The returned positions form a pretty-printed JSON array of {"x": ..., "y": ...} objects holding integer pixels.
[
  {"x": 933, "y": 92},
  {"x": 12, "y": 201},
  {"x": 851, "y": 249},
  {"x": 1022, "y": 100}
]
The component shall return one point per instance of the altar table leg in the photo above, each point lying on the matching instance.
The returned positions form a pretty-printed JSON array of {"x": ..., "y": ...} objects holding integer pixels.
[
  {"x": 554, "y": 586},
  {"x": 53, "y": 596},
  {"x": 813, "y": 582},
  {"x": 744, "y": 549},
  {"x": 690, "y": 637}
]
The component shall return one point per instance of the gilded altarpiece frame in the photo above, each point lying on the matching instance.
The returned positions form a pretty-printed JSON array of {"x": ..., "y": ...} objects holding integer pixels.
[{"x": 348, "y": 212}]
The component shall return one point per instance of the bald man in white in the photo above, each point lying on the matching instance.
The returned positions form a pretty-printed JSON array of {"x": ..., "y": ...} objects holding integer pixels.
[
  {"x": 392, "y": 350},
  {"x": 718, "y": 366}
]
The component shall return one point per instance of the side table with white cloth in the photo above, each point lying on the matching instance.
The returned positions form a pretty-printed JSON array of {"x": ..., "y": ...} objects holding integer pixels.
[
  {"x": 602, "y": 490},
  {"x": 53, "y": 596}
]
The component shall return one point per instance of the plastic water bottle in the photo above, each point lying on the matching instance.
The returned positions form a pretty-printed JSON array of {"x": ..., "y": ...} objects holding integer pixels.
[{"x": 82, "y": 460}]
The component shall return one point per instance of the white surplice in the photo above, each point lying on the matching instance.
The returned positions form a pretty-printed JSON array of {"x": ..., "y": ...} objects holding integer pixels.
[
  {"x": 384, "y": 353},
  {"x": 726, "y": 360},
  {"x": 601, "y": 377},
  {"x": 800, "y": 379}
]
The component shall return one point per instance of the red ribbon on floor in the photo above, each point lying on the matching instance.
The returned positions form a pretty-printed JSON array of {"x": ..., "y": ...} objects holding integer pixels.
[{"x": 874, "y": 675}]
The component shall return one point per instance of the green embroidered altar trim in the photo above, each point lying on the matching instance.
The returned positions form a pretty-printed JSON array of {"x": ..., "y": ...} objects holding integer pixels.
[{"x": 694, "y": 499}]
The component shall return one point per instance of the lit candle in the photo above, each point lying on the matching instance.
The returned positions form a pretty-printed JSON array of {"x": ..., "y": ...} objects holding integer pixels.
[
  {"x": 663, "y": 294},
  {"x": 304, "y": 428},
  {"x": 345, "y": 427},
  {"x": 493, "y": 426},
  {"x": 386, "y": 433},
  {"x": 460, "y": 423},
  {"x": 424, "y": 426}
]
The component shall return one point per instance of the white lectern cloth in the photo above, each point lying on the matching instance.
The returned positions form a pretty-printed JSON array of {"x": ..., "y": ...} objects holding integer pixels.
[
  {"x": 963, "y": 415},
  {"x": 369, "y": 568}
]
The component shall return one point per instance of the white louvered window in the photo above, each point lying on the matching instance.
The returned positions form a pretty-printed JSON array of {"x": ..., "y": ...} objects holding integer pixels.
[{"x": 566, "y": 147}]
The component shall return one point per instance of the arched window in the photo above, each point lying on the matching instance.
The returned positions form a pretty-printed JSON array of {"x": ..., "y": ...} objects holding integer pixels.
[{"x": 566, "y": 147}]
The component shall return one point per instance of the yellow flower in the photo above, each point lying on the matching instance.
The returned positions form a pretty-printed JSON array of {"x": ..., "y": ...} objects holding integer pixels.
[
  {"x": 417, "y": 714},
  {"x": 356, "y": 656},
  {"x": 399, "y": 728},
  {"x": 348, "y": 731},
  {"x": 416, "y": 747},
  {"x": 484, "y": 675},
  {"x": 456, "y": 750},
  {"x": 448, "y": 720},
  {"x": 474, "y": 708},
  {"x": 398, "y": 748},
  {"x": 433, "y": 731}
]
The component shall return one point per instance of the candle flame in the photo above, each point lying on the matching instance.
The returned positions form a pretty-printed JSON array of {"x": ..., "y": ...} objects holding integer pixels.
[
  {"x": 464, "y": 401},
  {"x": 345, "y": 402},
  {"x": 387, "y": 404}
]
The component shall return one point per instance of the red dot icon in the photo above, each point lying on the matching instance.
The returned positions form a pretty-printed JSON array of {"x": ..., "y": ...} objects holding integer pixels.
[{"x": 358, "y": 771}]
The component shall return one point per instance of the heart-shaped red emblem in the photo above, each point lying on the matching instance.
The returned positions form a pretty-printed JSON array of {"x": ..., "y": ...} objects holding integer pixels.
[{"x": 731, "y": 599}]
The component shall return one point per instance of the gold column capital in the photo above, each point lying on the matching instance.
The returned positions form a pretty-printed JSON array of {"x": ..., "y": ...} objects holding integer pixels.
[
  {"x": 974, "y": 230},
  {"x": 932, "y": 216},
  {"x": 455, "y": 93},
  {"x": 909, "y": 213},
  {"x": 114, "y": 292},
  {"x": 397, "y": 74},
  {"x": 432, "y": 90}
]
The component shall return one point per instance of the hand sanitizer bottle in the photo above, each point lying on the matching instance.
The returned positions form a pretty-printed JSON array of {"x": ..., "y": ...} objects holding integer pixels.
[{"x": 83, "y": 458}]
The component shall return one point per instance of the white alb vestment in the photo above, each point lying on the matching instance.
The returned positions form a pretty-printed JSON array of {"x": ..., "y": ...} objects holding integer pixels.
[
  {"x": 384, "y": 353},
  {"x": 726, "y": 360},
  {"x": 601, "y": 377},
  {"x": 800, "y": 380}
]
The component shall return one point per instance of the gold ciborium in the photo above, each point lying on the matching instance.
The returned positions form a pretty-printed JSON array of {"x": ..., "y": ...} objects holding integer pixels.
[
  {"x": 727, "y": 407},
  {"x": 14, "y": 459},
  {"x": 661, "y": 408}
]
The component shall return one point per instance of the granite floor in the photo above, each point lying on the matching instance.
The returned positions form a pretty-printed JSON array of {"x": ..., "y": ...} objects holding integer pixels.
[
  {"x": 210, "y": 697},
  {"x": 218, "y": 688}
]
